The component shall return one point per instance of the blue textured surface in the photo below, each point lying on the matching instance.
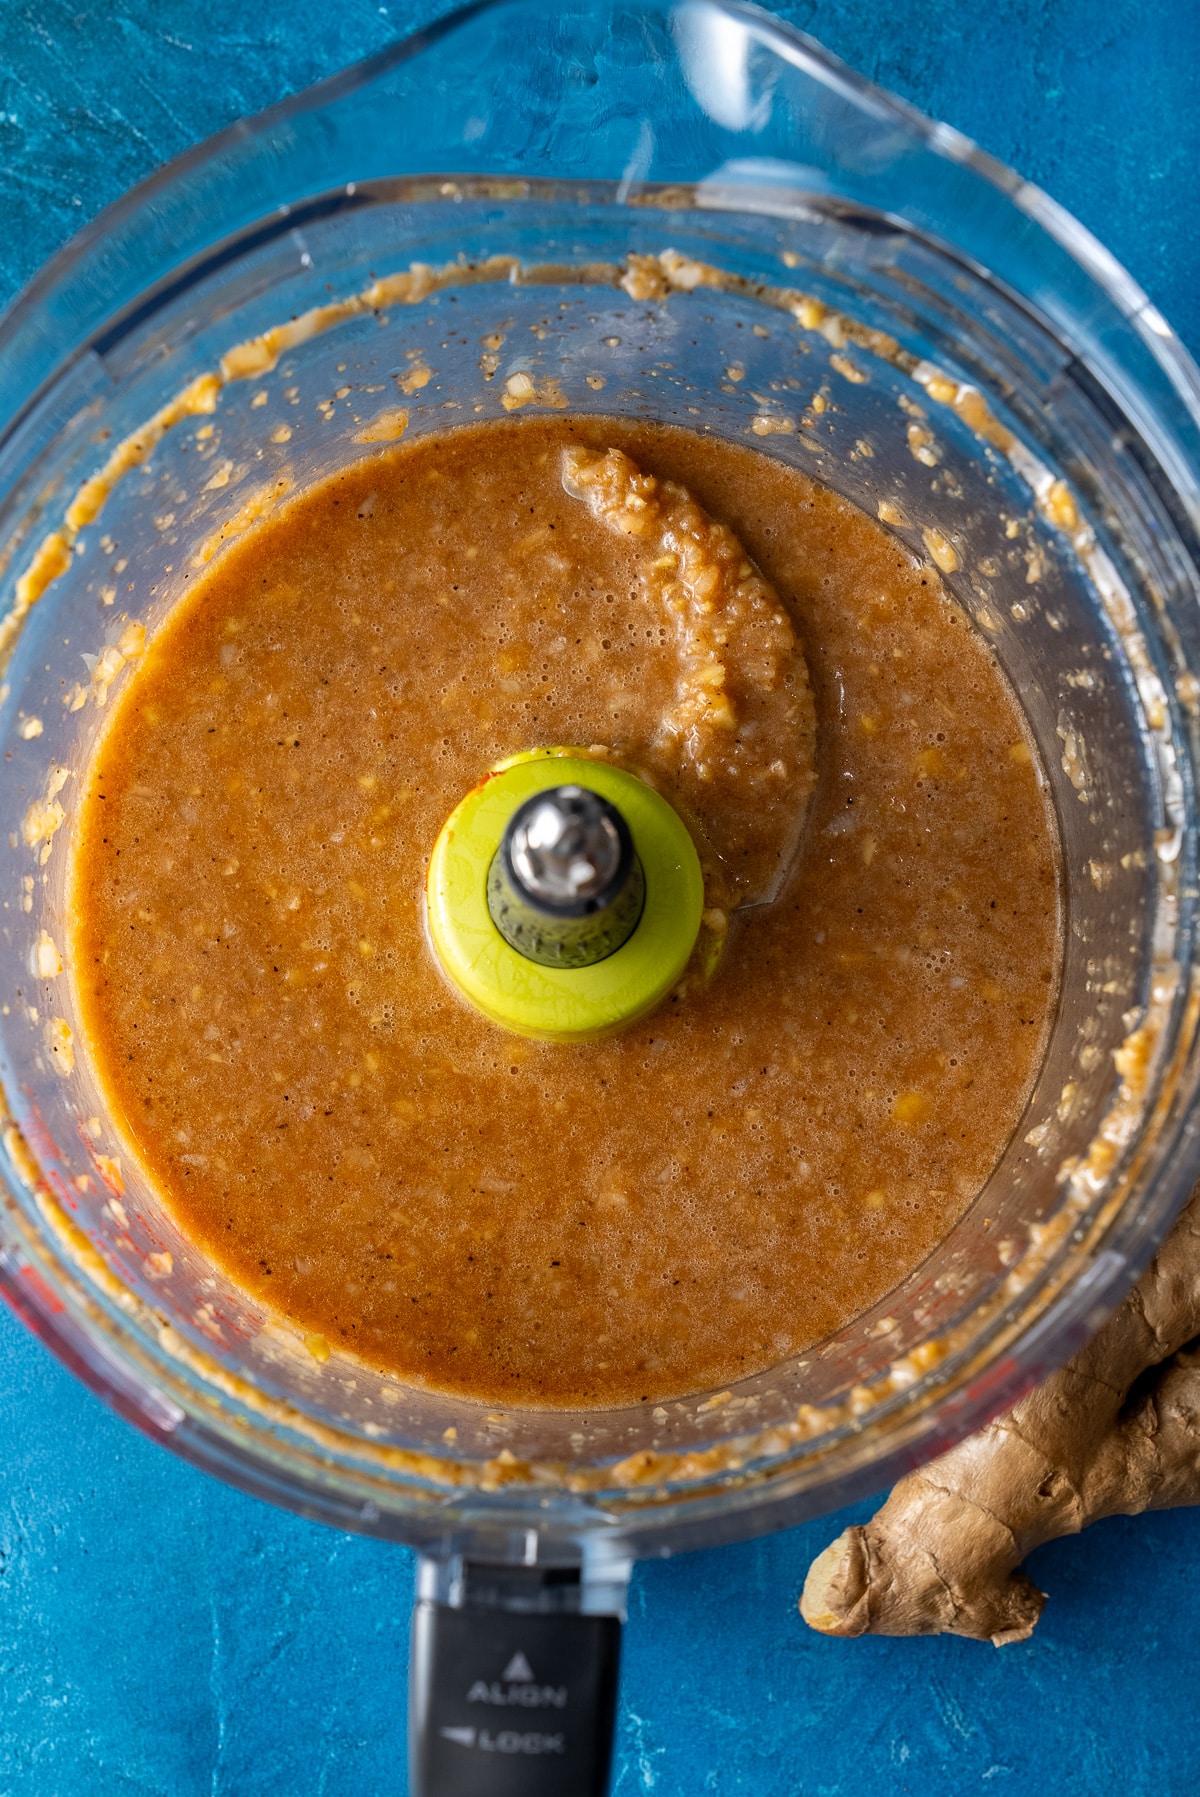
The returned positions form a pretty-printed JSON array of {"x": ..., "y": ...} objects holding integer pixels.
[{"x": 161, "y": 1636}]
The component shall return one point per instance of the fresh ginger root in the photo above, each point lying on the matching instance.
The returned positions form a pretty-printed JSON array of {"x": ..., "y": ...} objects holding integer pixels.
[{"x": 943, "y": 1554}]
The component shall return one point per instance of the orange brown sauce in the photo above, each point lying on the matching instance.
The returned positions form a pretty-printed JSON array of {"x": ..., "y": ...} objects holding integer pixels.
[{"x": 718, "y": 1187}]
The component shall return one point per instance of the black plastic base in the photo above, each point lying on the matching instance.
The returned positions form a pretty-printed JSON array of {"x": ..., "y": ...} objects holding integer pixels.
[{"x": 505, "y": 1704}]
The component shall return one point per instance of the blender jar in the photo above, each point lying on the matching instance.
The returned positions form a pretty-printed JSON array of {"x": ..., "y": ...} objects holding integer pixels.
[{"x": 598, "y": 207}]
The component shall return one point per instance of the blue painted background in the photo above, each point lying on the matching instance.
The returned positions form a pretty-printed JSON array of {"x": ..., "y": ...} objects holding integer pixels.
[{"x": 161, "y": 1636}]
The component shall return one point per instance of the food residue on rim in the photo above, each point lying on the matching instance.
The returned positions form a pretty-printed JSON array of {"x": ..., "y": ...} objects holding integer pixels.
[{"x": 1056, "y": 502}]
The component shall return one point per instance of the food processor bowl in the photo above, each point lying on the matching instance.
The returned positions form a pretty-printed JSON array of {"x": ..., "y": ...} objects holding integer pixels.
[{"x": 689, "y": 213}]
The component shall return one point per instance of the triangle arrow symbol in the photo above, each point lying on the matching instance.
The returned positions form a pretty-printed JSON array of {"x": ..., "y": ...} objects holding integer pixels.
[
  {"x": 518, "y": 1670},
  {"x": 463, "y": 1737}
]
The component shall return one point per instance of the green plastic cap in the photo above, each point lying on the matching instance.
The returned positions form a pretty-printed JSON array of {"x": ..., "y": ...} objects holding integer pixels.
[{"x": 562, "y": 1004}]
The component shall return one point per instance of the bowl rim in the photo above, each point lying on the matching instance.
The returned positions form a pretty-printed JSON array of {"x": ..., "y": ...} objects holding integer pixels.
[{"x": 790, "y": 43}]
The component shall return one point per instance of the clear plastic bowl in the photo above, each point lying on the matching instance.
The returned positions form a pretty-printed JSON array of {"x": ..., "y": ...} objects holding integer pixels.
[{"x": 524, "y": 153}]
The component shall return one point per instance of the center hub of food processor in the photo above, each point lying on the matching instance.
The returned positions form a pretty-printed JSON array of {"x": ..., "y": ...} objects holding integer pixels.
[
  {"x": 565, "y": 888},
  {"x": 564, "y": 896}
]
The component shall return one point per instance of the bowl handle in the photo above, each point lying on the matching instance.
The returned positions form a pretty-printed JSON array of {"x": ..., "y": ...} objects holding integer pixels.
[{"x": 513, "y": 1681}]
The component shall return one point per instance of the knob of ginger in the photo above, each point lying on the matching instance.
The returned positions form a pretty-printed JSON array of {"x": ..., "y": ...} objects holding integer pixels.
[{"x": 1116, "y": 1431}]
